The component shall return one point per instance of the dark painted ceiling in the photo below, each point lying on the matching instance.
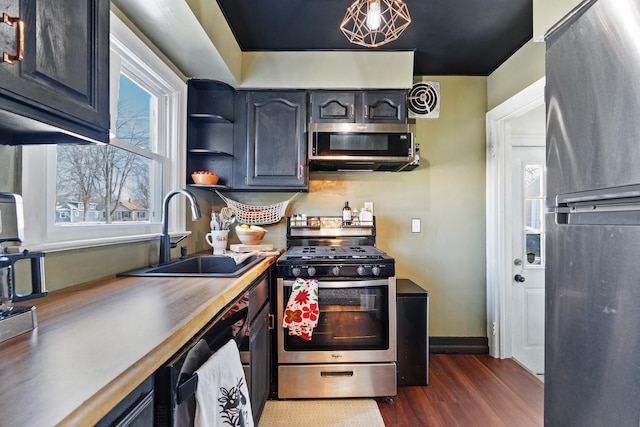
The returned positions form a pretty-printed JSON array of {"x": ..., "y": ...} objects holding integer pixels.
[{"x": 449, "y": 37}]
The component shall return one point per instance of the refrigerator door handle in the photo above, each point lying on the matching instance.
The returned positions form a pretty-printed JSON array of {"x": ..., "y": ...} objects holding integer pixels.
[{"x": 607, "y": 206}]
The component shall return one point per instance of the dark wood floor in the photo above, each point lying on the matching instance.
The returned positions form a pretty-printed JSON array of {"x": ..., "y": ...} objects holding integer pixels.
[{"x": 469, "y": 390}]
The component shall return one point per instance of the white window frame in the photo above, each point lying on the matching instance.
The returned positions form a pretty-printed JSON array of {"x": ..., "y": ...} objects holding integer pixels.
[{"x": 128, "y": 53}]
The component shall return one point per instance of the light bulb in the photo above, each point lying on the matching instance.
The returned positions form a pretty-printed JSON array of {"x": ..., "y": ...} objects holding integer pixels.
[{"x": 373, "y": 15}]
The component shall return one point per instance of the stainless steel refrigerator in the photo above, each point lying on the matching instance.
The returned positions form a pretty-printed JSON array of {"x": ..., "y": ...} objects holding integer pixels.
[{"x": 592, "y": 359}]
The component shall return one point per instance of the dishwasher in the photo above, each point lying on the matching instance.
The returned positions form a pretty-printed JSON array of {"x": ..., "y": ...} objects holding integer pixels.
[{"x": 175, "y": 382}]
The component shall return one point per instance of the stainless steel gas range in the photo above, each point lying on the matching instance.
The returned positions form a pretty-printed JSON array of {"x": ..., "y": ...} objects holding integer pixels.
[{"x": 352, "y": 352}]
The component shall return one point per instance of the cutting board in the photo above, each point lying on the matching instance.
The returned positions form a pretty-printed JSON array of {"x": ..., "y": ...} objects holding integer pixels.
[{"x": 239, "y": 247}]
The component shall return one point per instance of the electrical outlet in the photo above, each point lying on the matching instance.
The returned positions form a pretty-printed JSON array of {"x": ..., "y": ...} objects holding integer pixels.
[{"x": 415, "y": 225}]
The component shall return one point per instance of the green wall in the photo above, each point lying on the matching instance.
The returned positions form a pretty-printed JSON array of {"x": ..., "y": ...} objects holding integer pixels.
[
  {"x": 522, "y": 69},
  {"x": 9, "y": 168},
  {"x": 447, "y": 192},
  {"x": 546, "y": 13}
]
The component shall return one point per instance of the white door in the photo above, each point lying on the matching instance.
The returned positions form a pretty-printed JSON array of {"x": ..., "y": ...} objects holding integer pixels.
[{"x": 528, "y": 263}]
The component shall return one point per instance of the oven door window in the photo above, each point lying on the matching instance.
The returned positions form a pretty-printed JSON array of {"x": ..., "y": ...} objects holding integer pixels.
[{"x": 351, "y": 318}]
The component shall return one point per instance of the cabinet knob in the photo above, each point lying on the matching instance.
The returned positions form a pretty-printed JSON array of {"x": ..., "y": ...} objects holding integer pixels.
[{"x": 19, "y": 56}]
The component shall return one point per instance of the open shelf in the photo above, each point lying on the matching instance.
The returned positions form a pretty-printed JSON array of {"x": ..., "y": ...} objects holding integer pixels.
[
  {"x": 210, "y": 131},
  {"x": 211, "y": 187},
  {"x": 208, "y": 152},
  {"x": 209, "y": 118}
]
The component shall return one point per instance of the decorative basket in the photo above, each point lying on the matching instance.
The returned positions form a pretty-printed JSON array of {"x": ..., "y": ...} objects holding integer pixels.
[{"x": 258, "y": 214}]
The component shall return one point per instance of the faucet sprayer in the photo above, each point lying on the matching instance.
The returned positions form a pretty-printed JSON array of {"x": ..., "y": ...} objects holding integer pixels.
[{"x": 165, "y": 240}]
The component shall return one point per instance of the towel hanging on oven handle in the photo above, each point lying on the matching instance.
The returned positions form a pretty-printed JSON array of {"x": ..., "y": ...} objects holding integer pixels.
[{"x": 215, "y": 339}]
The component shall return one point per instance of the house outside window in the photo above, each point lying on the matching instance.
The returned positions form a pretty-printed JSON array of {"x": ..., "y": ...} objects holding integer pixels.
[{"x": 122, "y": 183}]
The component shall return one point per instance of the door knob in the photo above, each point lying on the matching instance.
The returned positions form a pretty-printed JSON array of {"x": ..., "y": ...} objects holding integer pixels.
[{"x": 519, "y": 278}]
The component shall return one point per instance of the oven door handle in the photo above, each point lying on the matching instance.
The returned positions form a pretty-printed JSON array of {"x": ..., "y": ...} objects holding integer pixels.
[{"x": 336, "y": 373}]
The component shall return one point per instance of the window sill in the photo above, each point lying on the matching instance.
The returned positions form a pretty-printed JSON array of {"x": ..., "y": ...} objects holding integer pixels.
[{"x": 91, "y": 243}]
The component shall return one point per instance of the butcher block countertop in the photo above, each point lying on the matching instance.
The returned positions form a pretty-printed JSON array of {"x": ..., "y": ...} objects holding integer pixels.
[{"x": 97, "y": 341}]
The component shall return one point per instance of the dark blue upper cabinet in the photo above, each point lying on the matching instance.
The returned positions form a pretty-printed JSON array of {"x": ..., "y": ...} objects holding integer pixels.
[
  {"x": 369, "y": 106},
  {"x": 59, "y": 91},
  {"x": 271, "y": 146}
]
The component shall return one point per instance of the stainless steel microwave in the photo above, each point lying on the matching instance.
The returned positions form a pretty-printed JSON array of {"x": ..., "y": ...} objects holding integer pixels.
[{"x": 363, "y": 147}]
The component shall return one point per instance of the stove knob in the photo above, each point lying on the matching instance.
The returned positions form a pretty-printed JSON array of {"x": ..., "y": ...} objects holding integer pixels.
[
  {"x": 375, "y": 270},
  {"x": 335, "y": 270},
  {"x": 311, "y": 271},
  {"x": 361, "y": 270},
  {"x": 296, "y": 271}
]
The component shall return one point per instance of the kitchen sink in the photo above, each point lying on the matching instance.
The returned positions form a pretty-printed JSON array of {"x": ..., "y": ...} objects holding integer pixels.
[{"x": 200, "y": 266}]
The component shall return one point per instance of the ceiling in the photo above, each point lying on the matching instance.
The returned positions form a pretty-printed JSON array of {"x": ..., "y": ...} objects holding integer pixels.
[{"x": 449, "y": 37}]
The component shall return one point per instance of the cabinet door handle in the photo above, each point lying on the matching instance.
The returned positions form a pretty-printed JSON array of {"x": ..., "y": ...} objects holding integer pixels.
[
  {"x": 353, "y": 111},
  {"x": 272, "y": 322},
  {"x": 19, "y": 56},
  {"x": 366, "y": 111},
  {"x": 301, "y": 172}
]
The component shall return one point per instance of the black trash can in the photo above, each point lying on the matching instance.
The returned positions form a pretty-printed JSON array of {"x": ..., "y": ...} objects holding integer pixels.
[{"x": 412, "y": 333}]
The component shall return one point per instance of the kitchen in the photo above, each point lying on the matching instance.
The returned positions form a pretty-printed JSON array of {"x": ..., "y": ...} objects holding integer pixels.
[{"x": 453, "y": 228}]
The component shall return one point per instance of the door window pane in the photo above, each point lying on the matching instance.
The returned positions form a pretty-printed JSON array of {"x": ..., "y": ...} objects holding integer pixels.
[
  {"x": 533, "y": 181},
  {"x": 534, "y": 214}
]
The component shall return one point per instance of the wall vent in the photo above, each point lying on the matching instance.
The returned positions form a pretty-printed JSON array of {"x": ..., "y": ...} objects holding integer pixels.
[{"x": 423, "y": 100}]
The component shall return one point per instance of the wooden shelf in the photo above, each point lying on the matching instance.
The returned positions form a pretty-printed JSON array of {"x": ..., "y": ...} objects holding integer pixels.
[
  {"x": 209, "y": 118},
  {"x": 207, "y": 152},
  {"x": 211, "y": 187}
]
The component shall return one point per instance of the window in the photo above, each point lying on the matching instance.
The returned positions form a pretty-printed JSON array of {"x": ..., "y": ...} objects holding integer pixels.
[
  {"x": 108, "y": 177},
  {"x": 96, "y": 193}
]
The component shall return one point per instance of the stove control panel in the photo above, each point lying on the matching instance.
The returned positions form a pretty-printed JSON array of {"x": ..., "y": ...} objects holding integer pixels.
[{"x": 349, "y": 270}]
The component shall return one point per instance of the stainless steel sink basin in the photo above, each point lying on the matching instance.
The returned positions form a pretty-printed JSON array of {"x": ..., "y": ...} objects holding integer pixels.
[{"x": 201, "y": 266}]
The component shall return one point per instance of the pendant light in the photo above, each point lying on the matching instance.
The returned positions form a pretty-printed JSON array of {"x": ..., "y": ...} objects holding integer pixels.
[{"x": 372, "y": 23}]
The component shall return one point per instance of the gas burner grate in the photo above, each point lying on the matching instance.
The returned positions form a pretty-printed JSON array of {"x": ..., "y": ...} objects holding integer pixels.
[{"x": 333, "y": 252}]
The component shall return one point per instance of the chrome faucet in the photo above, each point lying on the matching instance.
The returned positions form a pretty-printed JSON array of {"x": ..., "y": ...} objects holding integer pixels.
[{"x": 165, "y": 240}]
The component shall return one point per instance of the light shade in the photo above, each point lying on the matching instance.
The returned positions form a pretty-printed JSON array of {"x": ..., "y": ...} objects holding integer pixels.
[{"x": 363, "y": 26}]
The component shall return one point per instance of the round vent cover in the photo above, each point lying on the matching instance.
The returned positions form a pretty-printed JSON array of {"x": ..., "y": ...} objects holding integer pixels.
[{"x": 423, "y": 98}]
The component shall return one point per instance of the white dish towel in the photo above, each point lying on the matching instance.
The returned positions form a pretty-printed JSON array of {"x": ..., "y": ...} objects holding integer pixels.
[{"x": 222, "y": 397}]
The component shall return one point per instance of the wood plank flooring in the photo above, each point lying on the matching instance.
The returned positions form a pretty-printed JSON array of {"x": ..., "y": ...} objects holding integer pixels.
[{"x": 469, "y": 390}]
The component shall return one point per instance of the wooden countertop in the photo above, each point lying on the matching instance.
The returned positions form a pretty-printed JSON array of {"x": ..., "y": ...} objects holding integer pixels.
[{"x": 97, "y": 341}]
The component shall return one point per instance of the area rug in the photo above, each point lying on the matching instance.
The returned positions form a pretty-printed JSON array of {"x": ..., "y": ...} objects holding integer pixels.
[{"x": 321, "y": 413}]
